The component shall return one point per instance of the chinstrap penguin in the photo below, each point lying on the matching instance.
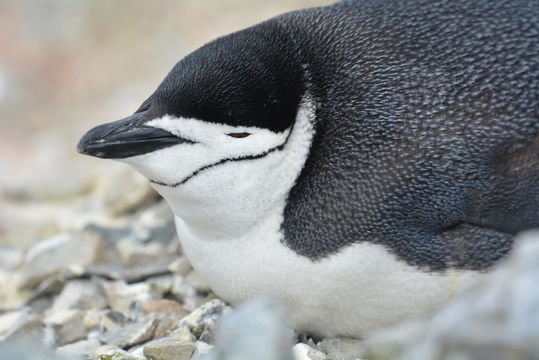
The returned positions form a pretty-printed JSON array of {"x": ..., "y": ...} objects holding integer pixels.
[{"x": 362, "y": 162}]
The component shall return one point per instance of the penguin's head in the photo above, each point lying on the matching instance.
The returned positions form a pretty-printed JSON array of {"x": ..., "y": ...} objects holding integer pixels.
[{"x": 216, "y": 117}]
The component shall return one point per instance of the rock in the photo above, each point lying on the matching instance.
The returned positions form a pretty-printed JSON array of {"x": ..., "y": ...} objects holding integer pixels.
[
  {"x": 94, "y": 318},
  {"x": 12, "y": 297},
  {"x": 164, "y": 306},
  {"x": 81, "y": 295},
  {"x": 68, "y": 326},
  {"x": 342, "y": 348},
  {"x": 180, "y": 266},
  {"x": 182, "y": 334},
  {"x": 8, "y": 321},
  {"x": 131, "y": 274},
  {"x": 113, "y": 319},
  {"x": 10, "y": 258},
  {"x": 205, "y": 316},
  {"x": 53, "y": 255},
  {"x": 109, "y": 352},
  {"x": 28, "y": 328},
  {"x": 305, "y": 352},
  {"x": 184, "y": 292},
  {"x": 255, "y": 330},
  {"x": 168, "y": 349},
  {"x": 81, "y": 348},
  {"x": 497, "y": 320},
  {"x": 202, "y": 351},
  {"x": 130, "y": 335},
  {"x": 121, "y": 295}
]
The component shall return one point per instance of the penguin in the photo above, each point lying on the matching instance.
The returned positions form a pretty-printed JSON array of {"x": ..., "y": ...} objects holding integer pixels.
[{"x": 362, "y": 162}]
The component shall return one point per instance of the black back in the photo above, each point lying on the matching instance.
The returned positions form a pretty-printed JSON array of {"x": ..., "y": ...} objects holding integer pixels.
[{"x": 426, "y": 135}]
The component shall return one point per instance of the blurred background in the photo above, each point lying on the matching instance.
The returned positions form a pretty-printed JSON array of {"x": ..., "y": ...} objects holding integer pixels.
[{"x": 66, "y": 66}]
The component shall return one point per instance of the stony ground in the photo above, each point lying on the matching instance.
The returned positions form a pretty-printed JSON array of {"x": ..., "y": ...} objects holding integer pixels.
[{"x": 116, "y": 286}]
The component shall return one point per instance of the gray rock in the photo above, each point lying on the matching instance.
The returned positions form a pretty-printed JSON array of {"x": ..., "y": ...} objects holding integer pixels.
[
  {"x": 121, "y": 295},
  {"x": 110, "y": 352},
  {"x": 305, "y": 352},
  {"x": 51, "y": 256},
  {"x": 10, "y": 258},
  {"x": 205, "y": 316},
  {"x": 342, "y": 348},
  {"x": 28, "y": 328},
  {"x": 130, "y": 335},
  {"x": 81, "y": 295},
  {"x": 86, "y": 348},
  {"x": 256, "y": 330},
  {"x": 8, "y": 320},
  {"x": 68, "y": 326},
  {"x": 202, "y": 351},
  {"x": 182, "y": 334},
  {"x": 132, "y": 273},
  {"x": 498, "y": 320},
  {"x": 113, "y": 319},
  {"x": 168, "y": 349}
]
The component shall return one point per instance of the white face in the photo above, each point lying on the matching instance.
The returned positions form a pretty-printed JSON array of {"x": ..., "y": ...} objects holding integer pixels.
[{"x": 210, "y": 182}]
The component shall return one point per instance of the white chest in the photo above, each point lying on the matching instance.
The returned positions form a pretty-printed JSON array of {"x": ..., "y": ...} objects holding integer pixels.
[{"x": 358, "y": 290}]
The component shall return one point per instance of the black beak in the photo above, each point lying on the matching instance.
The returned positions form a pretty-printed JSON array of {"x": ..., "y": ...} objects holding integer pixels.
[{"x": 125, "y": 138}]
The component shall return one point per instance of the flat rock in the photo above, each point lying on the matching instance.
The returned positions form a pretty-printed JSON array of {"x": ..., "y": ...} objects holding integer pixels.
[
  {"x": 81, "y": 348},
  {"x": 130, "y": 335},
  {"x": 180, "y": 266},
  {"x": 202, "y": 351},
  {"x": 496, "y": 321},
  {"x": 80, "y": 295},
  {"x": 55, "y": 254},
  {"x": 68, "y": 326},
  {"x": 164, "y": 306},
  {"x": 28, "y": 328},
  {"x": 110, "y": 352},
  {"x": 168, "y": 349},
  {"x": 121, "y": 295}
]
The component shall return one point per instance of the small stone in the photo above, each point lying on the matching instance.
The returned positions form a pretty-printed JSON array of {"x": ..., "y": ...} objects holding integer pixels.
[
  {"x": 121, "y": 295},
  {"x": 81, "y": 295},
  {"x": 10, "y": 258},
  {"x": 342, "y": 348},
  {"x": 305, "y": 352},
  {"x": 28, "y": 328},
  {"x": 163, "y": 306},
  {"x": 130, "y": 335},
  {"x": 94, "y": 318},
  {"x": 168, "y": 349},
  {"x": 202, "y": 351},
  {"x": 85, "y": 348},
  {"x": 182, "y": 334},
  {"x": 108, "y": 352},
  {"x": 53, "y": 255},
  {"x": 185, "y": 293},
  {"x": 180, "y": 266},
  {"x": 205, "y": 316},
  {"x": 112, "y": 320},
  {"x": 8, "y": 320},
  {"x": 68, "y": 326}
]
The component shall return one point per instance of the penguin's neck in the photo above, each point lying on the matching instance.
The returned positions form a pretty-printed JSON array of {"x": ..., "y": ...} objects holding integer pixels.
[{"x": 242, "y": 199}]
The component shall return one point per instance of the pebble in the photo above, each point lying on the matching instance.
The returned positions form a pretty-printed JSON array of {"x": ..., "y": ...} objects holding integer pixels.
[
  {"x": 121, "y": 295},
  {"x": 68, "y": 326},
  {"x": 168, "y": 349},
  {"x": 10, "y": 259},
  {"x": 202, "y": 351},
  {"x": 113, "y": 319},
  {"x": 86, "y": 348},
  {"x": 205, "y": 316},
  {"x": 180, "y": 266},
  {"x": 81, "y": 295},
  {"x": 130, "y": 335}
]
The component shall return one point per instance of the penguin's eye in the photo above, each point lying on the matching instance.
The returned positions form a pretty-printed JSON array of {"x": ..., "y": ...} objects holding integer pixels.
[{"x": 239, "y": 135}]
